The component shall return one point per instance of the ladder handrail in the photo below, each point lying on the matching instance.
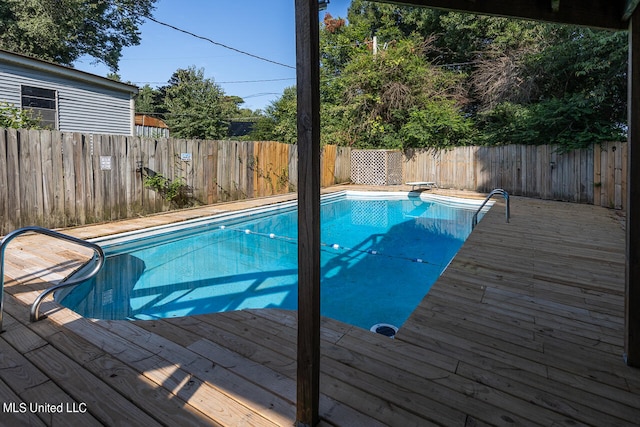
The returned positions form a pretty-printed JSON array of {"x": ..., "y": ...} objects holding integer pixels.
[
  {"x": 98, "y": 260},
  {"x": 474, "y": 220}
]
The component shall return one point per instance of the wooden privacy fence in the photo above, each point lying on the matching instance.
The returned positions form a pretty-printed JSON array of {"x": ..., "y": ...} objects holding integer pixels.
[
  {"x": 596, "y": 175},
  {"x": 58, "y": 179},
  {"x": 55, "y": 179}
]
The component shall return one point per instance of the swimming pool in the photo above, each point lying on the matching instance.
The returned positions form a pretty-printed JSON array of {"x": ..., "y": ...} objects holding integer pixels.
[{"x": 381, "y": 253}]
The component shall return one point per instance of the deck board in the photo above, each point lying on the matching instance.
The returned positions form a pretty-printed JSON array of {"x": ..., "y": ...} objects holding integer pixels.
[{"x": 525, "y": 327}]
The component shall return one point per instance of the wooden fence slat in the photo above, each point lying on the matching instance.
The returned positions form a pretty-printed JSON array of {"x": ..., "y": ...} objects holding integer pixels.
[
  {"x": 223, "y": 170},
  {"x": 13, "y": 179},
  {"x": 611, "y": 161},
  {"x": 597, "y": 175},
  {"x": 87, "y": 197},
  {"x": 236, "y": 153},
  {"x": 122, "y": 170},
  {"x": 158, "y": 167},
  {"x": 27, "y": 189},
  {"x": 36, "y": 167},
  {"x": 57, "y": 177},
  {"x": 328, "y": 165},
  {"x": 137, "y": 155},
  {"x": 127, "y": 174},
  {"x": 117, "y": 190},
  {"x": 248, "y": 172},
  {"x": 111, "y": 190},
  {"x": 283, "y": 168},
  {"x": 196, "y": 168},
  {"x": 98, "y": 183},
  {"x": 46, "y": 159},
  {"x": 79, "y": 155},
  {"x": 214, "y": 171},
  {"x": 69, "y": 179},
  {"x": 89, "y": 185},
  {"x": 150, "y": 165},
  {"x": 617, "y": 181}
]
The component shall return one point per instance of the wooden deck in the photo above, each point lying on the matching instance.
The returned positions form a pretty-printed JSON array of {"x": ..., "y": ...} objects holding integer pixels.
[{"x": 524, "y": 328}]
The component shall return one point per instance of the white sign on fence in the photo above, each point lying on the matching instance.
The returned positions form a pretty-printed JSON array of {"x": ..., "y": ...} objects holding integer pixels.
[{"x": 105, "y": 163}]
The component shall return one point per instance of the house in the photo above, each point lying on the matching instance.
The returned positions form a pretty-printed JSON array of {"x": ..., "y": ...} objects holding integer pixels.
[
  {"x": 151, "y": 127},
  {"x": 240, "y": 127},
  {"x": 67, "y": 99}
]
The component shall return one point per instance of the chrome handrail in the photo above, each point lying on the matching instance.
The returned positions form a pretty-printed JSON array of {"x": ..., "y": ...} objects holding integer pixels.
[
  {"x": 98, "y": 260},
  {"x": 474, "y": 220}
]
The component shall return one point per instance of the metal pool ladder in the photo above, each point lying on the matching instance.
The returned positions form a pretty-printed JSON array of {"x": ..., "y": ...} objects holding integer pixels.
[
  {"x": 474, "y": 221},
  {"x": 97, "y": 261}
]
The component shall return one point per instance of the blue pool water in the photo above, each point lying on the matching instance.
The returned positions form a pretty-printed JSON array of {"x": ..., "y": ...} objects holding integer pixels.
[{"x": 380, "y": 256}]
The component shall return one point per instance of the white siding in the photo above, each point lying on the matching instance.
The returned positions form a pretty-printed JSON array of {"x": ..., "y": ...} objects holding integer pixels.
[
  {"x": 9, "y": 87},
  {"x": 82, "y": 107}
]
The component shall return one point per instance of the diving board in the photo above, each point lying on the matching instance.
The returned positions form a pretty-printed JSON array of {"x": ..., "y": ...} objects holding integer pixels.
[{"x": 427, "y": 184}]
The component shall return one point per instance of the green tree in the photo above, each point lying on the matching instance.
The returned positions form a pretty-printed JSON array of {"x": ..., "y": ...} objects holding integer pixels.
[
  {"x": 152, "y": 100},
  {"x": 149, "y": 100},
  {"x": 230, "y": 105},
  {"x": 195, "y": 106},
  {"x": 63, "y": 30},
  {"x": 442, "y": 78},
  {"x": 385, "y": 99},
  {"x": 585, "y": 62},
  {"x": 529, "y": 82},
  {"x": 279, "y": 122}
]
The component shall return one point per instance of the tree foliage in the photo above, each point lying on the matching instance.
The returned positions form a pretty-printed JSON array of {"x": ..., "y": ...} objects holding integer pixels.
[
  {"x": 192, "y": 106},
  {"x": 279, "y": 120},
  {"x": 392, "y": 93},
  {"x": 443, "y": 78},
  {"x": 17, "y": 118},
  {"x": 195, "y": 105},
  {"x": 149, "y": 100},
  {"x": 63, "y": 30}
]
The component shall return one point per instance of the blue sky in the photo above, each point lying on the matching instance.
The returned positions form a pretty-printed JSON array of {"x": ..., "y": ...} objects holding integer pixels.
[{"x": 263, "y": 28}]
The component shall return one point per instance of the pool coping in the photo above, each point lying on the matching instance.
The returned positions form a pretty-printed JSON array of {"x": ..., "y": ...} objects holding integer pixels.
[{"x": 124, "y": 241}]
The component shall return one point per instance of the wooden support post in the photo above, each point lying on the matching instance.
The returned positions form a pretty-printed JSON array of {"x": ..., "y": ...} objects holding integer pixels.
[
  {"x": 308, "y": 92},
  {"x": 632, "y": 276}
]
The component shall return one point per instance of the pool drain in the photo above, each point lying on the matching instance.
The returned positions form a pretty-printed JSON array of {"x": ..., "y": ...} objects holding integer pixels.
[{"x": 384, "y": 329}]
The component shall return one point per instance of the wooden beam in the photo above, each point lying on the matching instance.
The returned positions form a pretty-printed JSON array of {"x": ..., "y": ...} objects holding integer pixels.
[
  {"x": 632, "y": 276},
  {"x": 308, "y": 93},
  {"x": 629, "y": 9},
  {"x": 592, "y": 13}
]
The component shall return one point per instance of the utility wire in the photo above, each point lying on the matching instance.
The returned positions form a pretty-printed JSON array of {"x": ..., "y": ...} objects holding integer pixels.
[
  {"x": 220, "y": 44},
  {"x": 258, "y": 81},
  {"x": 231, "y": 82}
]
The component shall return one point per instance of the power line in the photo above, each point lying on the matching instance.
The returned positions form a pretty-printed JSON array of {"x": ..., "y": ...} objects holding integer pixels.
[
  {"x": 220, "y": 44},
  {"x": 232, "y": 82},
  {"x": 259, "y": 81},
  {"x": 258, "y": 95}
]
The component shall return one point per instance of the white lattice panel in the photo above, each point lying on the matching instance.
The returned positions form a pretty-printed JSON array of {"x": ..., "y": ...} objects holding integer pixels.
[{"x": 376, "y": 167}]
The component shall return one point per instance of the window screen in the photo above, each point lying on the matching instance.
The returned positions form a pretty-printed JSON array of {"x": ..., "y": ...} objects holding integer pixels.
[{"x": 42, "y": 105}]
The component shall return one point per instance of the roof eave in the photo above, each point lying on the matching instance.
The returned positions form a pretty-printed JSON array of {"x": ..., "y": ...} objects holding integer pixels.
[
  {"x": 68, "y": 72},
  {"x": 591, "y": 13}
]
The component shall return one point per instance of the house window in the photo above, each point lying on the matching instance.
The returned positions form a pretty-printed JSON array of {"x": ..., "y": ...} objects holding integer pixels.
[{"x": 42, "y": 105}]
